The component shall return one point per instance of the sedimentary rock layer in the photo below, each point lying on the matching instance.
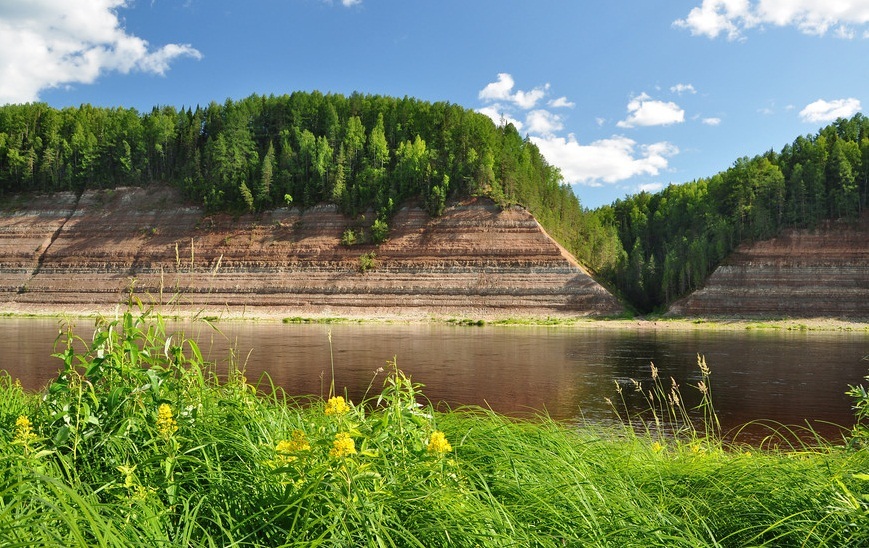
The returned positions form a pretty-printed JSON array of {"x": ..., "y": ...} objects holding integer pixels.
[
  {"x": 93, "y": 251},
  {"x": 802, "y": 273}
]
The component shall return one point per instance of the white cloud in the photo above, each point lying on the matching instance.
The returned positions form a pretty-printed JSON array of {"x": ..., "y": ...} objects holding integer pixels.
[
  {"x": 732, "y": 17},
  {"x": 543, "y": 122},
  {"x": 683, "y": 88},
  {"x": 527, "y": 99},
  {"x": 502, "y": 90},
  {"x": 711, "y": 121},
  {"x": 604, "y": 161},
  {"x": 497, "y": 91},
  {"x": 561, "y": 102},
  {"x": 828, "y": 111},
  {"x": 645, "y": 111},
  {"x": 348, "y": 3},
  {"x": 650, "y": 187},
  {"x": 50, "y": 43}
]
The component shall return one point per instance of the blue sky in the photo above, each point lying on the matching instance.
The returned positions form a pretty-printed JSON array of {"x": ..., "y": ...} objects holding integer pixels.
[{"x": 622, "y": 95}]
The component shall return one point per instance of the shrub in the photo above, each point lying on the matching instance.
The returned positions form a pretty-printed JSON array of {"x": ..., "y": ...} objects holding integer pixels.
[
  {"x": 349, "y": 237},
  {"x": 367, "y": 261},
  {"x": 379, "y": 231}
]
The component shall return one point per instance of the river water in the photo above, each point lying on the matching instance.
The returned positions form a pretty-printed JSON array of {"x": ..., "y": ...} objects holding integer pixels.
[{"x": 568, "y": 372}]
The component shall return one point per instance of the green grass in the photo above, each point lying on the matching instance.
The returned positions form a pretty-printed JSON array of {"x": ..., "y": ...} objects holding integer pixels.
[
  {"x": 323, "y": 320},
  {"x": 138, "y": 442}
]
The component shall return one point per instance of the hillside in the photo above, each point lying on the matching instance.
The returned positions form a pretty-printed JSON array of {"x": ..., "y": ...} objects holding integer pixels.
[
  {"x": 800, "y": 273},
  {"x": 284, "y": 164},
  {"x": 69, "y": 253}
]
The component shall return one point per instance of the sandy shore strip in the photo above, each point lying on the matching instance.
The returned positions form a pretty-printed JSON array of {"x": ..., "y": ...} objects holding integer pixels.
[{"x": 458, "y": 317}]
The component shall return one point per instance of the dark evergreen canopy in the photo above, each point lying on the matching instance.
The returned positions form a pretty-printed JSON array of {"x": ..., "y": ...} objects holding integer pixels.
[{"x": 374, "y": 153}]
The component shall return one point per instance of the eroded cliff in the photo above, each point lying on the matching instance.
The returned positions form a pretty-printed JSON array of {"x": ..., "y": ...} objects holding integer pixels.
[
  {"x": 88, "y": 253},
  {"x": 802, "y": 273}
]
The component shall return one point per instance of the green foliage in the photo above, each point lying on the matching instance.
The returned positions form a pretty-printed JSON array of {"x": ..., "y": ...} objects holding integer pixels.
[
  {"x": 367, "y": 261},
  {"x": 379, "y": 231},
  {"x": 860, "y": 402},
  {"x": 139, "y": 443},
  {"x": 359, "y": 151},
  {"x": 349, "y": 238}
]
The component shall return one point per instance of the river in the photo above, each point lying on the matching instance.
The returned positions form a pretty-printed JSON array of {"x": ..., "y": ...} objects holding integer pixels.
[{"x": 788, "y": 377}]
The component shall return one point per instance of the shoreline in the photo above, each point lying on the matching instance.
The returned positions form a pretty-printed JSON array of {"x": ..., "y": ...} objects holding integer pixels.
[{"x": 477, "y": 318}]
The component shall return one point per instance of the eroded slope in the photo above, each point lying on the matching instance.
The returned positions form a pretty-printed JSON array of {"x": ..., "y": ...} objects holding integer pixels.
[
  {"x": 89, "y": 253},
  {"x": 801, "y": 273}
]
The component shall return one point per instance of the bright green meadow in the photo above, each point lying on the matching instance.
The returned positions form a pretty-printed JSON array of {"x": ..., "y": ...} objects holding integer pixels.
[{"x": 138, "y": 442}]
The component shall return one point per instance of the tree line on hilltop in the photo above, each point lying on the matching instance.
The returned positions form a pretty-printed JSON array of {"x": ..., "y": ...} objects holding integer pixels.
[
  {"x": 374, "y": 153},
  {"x": 672, "y": 240}
]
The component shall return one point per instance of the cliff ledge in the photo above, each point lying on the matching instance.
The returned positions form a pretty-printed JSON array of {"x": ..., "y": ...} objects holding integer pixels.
[
  {"x": 800, "y": 274},
  {"x": 88, "y": 253}
]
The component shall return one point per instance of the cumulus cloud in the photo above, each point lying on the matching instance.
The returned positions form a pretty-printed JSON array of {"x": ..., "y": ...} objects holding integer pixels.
[
  {"x": 561, "y": 102},
  {"x": 828, "y": 111},
  {"x": 732, "y": 17},
  {"x": 543, "y": 122},
  {"x": 650, "y": 187},
  {"x": 50, "y": 43},
  {"x": 502, "y": 90},
  {"x": 604, "y": 161},
  {"x": 683, "y": 88},
  {"x": 645, "y": 111}
]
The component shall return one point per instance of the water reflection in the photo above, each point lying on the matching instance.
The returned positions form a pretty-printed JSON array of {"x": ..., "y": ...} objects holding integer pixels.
[{"x": 567, "y": 372}]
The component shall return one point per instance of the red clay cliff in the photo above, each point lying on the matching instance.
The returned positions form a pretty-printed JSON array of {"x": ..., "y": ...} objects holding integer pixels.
[{"x": 88, "y": 253}]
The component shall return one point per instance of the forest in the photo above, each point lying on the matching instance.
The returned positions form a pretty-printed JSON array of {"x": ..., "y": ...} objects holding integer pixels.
[{"x": 372, "y": 154}]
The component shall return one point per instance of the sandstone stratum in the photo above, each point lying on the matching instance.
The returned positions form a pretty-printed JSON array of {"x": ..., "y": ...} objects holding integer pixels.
[
  {"x": 802, "y": 273},
  {"x": 88, "y": 253}
]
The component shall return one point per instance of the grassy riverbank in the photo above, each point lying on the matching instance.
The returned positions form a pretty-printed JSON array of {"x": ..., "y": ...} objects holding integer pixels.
[{"x": 137, "y": 443}]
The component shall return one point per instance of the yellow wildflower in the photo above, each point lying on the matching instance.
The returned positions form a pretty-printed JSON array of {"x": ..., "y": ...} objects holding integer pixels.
[
  {"x": 438, "y": 443},
  {"x": 298, "y": 442},
  {"x": 166, "y": 424},
  {"x": 337, "y": 406},
  {"x": 342, "y": 446},
  {"x": 657, "y": 447},
  {"x": 24, "y": 430}
]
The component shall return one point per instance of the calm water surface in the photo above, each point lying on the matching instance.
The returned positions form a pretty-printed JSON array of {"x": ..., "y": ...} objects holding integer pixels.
[{"x": 788, "y": 377}]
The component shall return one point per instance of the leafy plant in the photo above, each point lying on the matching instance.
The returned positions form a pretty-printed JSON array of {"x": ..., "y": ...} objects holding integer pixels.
[
  {"x": 367, "y": 261},
  {"x": 349, "y": 237},
  {"x": 860, "y": 398},
  {"x": 379, "y": 231}
]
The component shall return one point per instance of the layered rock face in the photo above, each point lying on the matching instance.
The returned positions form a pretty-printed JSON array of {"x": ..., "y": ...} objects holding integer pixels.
[
  {"x": 91, "y": 252},
  {"x": 801, "y": 273}
]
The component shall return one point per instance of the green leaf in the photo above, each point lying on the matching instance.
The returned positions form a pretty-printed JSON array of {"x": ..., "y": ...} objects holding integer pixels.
[{"x": 62, "y": 436}]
